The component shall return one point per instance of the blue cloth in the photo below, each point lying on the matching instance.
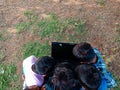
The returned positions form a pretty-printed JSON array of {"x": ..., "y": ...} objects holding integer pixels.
[
  {"x": 100, "y": 64},
  {"x": 103, "y": 85},
  {"x": 110, "y": 80}
]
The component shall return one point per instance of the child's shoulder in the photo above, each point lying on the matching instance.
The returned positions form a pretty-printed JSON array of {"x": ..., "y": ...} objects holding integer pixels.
[
  {"x": 96, "y": 50},
  {"x": 30, "y": 59}
]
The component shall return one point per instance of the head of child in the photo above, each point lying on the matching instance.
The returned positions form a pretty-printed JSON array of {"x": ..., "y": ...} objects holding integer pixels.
[
  {"x": 63, "y": 78},
  {"x": 43, "y": 65},
  {"x": 89, "y": 76},
  {"x": 85, "y": 53}
]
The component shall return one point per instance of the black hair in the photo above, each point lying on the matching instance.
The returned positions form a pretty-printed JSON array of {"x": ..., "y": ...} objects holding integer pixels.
[
  {"x": 44, "y": 65},
  {"x": 84, "y": 52},
  {"x": 64, "y": 78},
  {"x": 81, "y": 49},
  {"x": 89, "y": 76}
]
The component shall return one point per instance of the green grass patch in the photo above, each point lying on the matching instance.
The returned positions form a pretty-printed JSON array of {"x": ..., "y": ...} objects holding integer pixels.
[
  {"x": 55, "y": 27},
  {"x": 1, "y": 37},
  {"x": 80, "y": 26},
  {"x": 50, "y": 26},
  {"x": 101, "y": 2},
  {"x": 35, "y": 48},
  {"x": 32, "y": 17},
  {"x": 74, "y": 29},
  {"x": 7, "y": 74},
  {"x": 23, "y": 26}
]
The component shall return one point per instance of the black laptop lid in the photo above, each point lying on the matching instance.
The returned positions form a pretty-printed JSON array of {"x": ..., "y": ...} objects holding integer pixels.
[{"x": 62, "y": 50}]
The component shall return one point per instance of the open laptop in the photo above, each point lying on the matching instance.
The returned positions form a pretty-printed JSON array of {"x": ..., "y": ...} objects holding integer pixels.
[{"x": 63, "y": 52}]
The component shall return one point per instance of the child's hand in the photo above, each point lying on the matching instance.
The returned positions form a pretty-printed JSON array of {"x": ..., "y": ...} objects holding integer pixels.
[{"x": 43, "y": 87}]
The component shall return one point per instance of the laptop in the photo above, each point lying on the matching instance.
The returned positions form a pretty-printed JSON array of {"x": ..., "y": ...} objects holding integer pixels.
[{"x": 63, "y": 52}]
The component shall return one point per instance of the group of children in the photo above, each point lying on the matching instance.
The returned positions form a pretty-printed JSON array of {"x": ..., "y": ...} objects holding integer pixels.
[{"x": 46, "y": 73}]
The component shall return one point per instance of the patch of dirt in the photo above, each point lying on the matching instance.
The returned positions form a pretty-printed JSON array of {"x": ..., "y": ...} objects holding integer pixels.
[{"x": 102, "y": 23}]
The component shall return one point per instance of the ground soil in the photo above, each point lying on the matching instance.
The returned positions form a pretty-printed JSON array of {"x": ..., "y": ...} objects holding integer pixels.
[{"x": 102, "y": 23}]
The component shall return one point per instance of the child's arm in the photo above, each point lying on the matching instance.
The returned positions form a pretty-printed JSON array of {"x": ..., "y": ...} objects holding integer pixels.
[
  {"x": 100, "y": 64},
  {"x": 102, "y": 67}
]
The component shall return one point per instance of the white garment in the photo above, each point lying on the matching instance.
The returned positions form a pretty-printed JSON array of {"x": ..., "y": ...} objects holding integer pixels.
[{"x": 31, "y": 78}]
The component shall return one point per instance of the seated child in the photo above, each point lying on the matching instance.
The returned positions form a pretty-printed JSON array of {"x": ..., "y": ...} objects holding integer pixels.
[
  {"x": 63, "y": 78},
  {"x": 89, "y": 77},
  {"x": 34, "y": 71},
  {"x": 87, "y": 54}
]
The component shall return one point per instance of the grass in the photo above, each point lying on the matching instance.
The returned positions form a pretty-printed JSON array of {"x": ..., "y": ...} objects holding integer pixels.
[
  {"x": 50, "y": 26},
  {"x": 35, "y": 48},
  {"x": 32, "y": 17},
  {"x": 60, "y": 29},
  {"x": 1, "y": 37},
  {"x": 27, "y": 25},
  {"x": 23, "y": 26},
  {"x": 101, "y": 2},
  {"x": 7, "y": 74}
]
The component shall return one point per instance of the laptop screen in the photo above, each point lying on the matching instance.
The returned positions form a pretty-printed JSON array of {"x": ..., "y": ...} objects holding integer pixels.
[{"x": 63, "y": 51}]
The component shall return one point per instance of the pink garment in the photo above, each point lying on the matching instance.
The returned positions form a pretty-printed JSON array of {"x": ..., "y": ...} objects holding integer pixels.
[{"x": 31, "y": 78}]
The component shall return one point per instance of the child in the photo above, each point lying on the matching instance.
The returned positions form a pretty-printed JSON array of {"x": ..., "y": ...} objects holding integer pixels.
[
  {"x": 89, "y": 77},
  {"x": 34, "y": 71},
  {"x": 87, "y": 54},
  {"x": 63, "y": 78}
]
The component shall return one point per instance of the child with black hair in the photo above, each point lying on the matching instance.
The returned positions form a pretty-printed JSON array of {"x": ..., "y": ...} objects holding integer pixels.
[
  {"x": 63, "y": 78},
  {"x": 35, "y": 70},
  {"x": 89, "y": 55},
  {"x": 90, "y": 77}
]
